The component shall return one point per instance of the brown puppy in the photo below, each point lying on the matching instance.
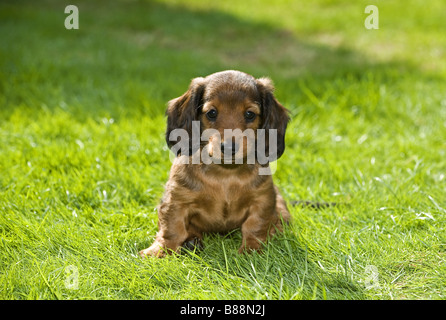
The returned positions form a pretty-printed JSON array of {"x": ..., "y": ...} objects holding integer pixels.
[{"x": 218, "y": 182}]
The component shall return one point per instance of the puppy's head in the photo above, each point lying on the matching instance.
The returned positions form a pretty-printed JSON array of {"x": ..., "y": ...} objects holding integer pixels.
[{"x": 230, "y": 107}]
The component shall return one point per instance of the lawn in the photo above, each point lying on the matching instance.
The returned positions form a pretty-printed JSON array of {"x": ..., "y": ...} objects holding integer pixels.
[{"x": 83, "y": 159}]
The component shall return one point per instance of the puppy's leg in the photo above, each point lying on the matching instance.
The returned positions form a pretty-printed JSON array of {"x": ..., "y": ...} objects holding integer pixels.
[
  {"x": 264, "y": 221},
  {"x": 257, "y": 227},
  {"x": 171, "y": 235}
]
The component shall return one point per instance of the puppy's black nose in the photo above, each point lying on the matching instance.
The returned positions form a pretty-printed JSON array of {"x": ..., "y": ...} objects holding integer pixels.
[{"x": 229, "y": 148}]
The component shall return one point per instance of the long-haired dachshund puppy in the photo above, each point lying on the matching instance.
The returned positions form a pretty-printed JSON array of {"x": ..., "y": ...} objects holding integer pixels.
[{"x": 216, "y": 183}]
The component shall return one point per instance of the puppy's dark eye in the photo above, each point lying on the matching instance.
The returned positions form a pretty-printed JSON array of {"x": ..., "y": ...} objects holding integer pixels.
[
  {"x": 212, "y": 114},
  {"x": 250, "y": 116}
]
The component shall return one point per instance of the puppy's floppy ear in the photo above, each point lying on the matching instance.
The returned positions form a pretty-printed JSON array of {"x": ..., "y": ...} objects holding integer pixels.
[
  {"x": 274, "y": 116},
  {"x": 183, "y": 110}
]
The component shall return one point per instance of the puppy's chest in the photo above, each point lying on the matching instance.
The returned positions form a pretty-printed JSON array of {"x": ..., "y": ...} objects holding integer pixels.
[
  {"x": 226, "y": 198},
  {"x": 216, "y": 199},
  {"x": 223, "y": 203}
]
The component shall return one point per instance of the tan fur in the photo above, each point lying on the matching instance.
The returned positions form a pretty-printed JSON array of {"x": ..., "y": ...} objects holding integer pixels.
[{"x": 212, "y": 197}]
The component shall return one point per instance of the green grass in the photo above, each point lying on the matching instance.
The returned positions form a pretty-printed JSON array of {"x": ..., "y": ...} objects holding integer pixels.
[{"x": 83, "y": 158}]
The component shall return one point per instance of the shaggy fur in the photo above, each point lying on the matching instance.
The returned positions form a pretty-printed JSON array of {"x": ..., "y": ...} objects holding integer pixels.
[{"x": 221, "y": 197}]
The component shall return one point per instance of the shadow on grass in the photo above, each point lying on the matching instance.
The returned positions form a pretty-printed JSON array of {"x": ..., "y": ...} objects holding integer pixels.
[
  {"x": 286, "y": 269},
  {"x": 130, "y": 58}
]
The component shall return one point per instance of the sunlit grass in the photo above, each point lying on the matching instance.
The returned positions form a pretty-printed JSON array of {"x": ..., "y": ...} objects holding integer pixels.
[{"x": 83, "y": 159}]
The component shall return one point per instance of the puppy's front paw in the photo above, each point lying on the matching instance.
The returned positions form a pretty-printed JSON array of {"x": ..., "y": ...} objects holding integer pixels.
[
  {"x": 155, "y": 250},
  {"x": 248, "y": 250},
  {"x": 250, "y": 245}
]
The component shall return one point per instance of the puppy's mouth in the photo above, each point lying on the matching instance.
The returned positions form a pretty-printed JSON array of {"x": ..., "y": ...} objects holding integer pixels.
[{"x": 227, "y": 152}]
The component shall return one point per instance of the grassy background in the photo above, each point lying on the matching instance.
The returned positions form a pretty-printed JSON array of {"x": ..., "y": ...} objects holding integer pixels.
[{"x": 83, "y": 159}]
